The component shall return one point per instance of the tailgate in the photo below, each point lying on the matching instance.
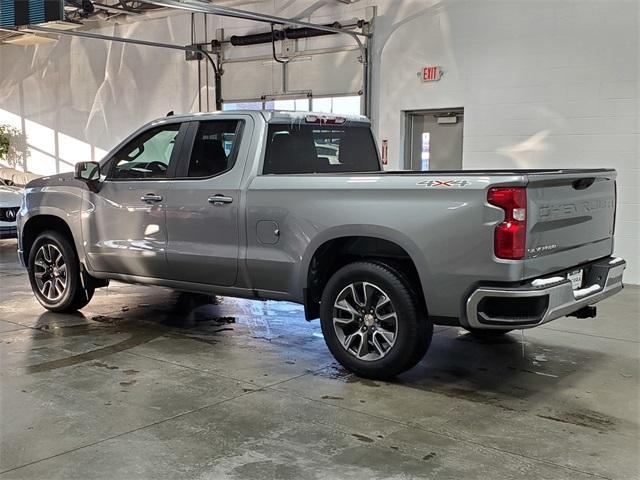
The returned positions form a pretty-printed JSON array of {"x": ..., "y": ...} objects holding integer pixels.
[{"x": 571, "y": 217}]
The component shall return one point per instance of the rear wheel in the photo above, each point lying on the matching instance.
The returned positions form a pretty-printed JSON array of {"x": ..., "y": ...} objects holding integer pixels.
[
  {"x": 372, "y": 322},
  {"x": 54, "y": 274}
]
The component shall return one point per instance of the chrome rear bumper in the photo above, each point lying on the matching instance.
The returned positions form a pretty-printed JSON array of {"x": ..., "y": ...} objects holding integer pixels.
[{"x": 542, "y": 299}]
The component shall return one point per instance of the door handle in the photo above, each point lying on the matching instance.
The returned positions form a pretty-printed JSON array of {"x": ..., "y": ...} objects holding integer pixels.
[
  {"x": 219, "y": 200},
  {"x": 151, "y": 197}
]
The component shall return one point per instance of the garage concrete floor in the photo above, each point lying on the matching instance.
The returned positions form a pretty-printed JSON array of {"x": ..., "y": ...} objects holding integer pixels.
[{"x": 147, "y": 383}]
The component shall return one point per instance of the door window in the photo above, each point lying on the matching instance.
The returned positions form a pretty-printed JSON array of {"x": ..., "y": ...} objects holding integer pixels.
[
  {"x": 434, "y": 139},
  {"x": 148, "y": 155},
  {"x": 426, "y": 145},
  {"x": 214, "y": 148}
]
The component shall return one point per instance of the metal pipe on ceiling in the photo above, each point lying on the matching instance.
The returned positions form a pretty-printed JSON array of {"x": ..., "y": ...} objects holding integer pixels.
[
  {"x": 97, "y": 36},
  {"x": 204, "y": 7}
]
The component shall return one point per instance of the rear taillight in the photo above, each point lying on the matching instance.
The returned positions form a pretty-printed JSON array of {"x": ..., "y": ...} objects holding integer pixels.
[{"x": 510, "y": 235}]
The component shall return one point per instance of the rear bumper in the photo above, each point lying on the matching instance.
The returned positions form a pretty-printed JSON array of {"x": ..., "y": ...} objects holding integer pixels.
[{"x": 543, "y": 299}]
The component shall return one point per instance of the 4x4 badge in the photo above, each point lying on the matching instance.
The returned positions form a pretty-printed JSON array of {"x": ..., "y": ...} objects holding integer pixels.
[{"x": 444, "y": 183}]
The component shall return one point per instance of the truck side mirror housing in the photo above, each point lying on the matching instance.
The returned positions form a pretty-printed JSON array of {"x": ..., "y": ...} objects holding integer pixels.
[{"x": 87, "y": 171}]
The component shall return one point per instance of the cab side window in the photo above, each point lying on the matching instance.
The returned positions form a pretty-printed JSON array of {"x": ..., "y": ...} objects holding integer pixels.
[
  {"x": 148, "y": 155},
  {"x": 214, "y": 148}
]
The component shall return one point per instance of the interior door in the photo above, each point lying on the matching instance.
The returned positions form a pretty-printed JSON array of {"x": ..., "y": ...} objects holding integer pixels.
[
  {"x": 125, "y": 226},
  {"x": 204, "y": 203},
  {"x": 434, "y": 140}
]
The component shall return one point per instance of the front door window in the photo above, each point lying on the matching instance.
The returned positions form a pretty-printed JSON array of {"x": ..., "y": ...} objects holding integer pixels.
[{"x": 148, "y": 155}]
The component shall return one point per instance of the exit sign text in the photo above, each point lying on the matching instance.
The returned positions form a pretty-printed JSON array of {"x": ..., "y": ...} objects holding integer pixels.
[{"x": 431, "y": 74}]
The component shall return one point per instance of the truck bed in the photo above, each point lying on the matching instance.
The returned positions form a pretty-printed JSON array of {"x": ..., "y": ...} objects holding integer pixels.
[{"x": 487, "y": 172}]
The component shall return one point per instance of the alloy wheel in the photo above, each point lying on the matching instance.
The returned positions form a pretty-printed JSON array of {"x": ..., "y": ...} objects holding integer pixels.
[
  {"x": 365, "y": 321},
  {"x": 50, "y": 271}
]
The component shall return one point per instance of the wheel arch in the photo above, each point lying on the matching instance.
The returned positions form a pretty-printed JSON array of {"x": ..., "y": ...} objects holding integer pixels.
[
  {"x": 345, "y": 245},
  {"x": 37, "y": 224}
]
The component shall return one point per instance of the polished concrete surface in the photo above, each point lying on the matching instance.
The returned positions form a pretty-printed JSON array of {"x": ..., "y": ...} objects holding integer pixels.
[{"x": 146, "y": 383}]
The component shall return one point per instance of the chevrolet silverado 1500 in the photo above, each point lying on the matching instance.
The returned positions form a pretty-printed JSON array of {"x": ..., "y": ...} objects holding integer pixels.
[{"x": 247, "y": 204}]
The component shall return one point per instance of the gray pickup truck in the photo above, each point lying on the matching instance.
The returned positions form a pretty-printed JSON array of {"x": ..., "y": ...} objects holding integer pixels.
[{"x": 249, "y": 204}]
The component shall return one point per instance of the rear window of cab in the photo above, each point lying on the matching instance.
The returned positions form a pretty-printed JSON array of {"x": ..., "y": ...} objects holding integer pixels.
[{"x": 296, "y": 148}]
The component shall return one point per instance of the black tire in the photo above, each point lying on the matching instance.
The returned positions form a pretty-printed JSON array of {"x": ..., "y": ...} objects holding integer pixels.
[
  {"x": 413, "y": 328},
  {"x": 73, "y": 296},
  {"x": 487, "y": 334}
]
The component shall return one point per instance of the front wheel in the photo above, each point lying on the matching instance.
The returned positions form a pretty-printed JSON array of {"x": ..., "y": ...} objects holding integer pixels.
[
  {"x": 54, "y": 274},
  {"x": 371, "y": 321}
]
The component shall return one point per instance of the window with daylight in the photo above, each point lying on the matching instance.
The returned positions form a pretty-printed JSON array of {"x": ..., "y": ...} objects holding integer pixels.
[{"x": 343, "y": 105}]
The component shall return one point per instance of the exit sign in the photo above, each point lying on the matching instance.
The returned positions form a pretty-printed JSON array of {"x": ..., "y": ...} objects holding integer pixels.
[{"x": 431, "y": 74}]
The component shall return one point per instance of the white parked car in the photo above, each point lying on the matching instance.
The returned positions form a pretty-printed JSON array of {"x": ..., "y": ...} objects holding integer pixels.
[{"x": 10, "y": 199}]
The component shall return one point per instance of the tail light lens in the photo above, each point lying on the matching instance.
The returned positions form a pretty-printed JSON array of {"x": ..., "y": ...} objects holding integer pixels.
[{"x": 510, "y": 235}]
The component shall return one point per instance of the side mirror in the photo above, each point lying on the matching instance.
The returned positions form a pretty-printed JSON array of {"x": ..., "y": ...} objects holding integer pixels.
[{"x": 87, "y": 171}]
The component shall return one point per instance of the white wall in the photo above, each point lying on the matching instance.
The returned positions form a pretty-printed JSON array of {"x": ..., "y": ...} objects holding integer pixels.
[{"x": 543, "y": 84}]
